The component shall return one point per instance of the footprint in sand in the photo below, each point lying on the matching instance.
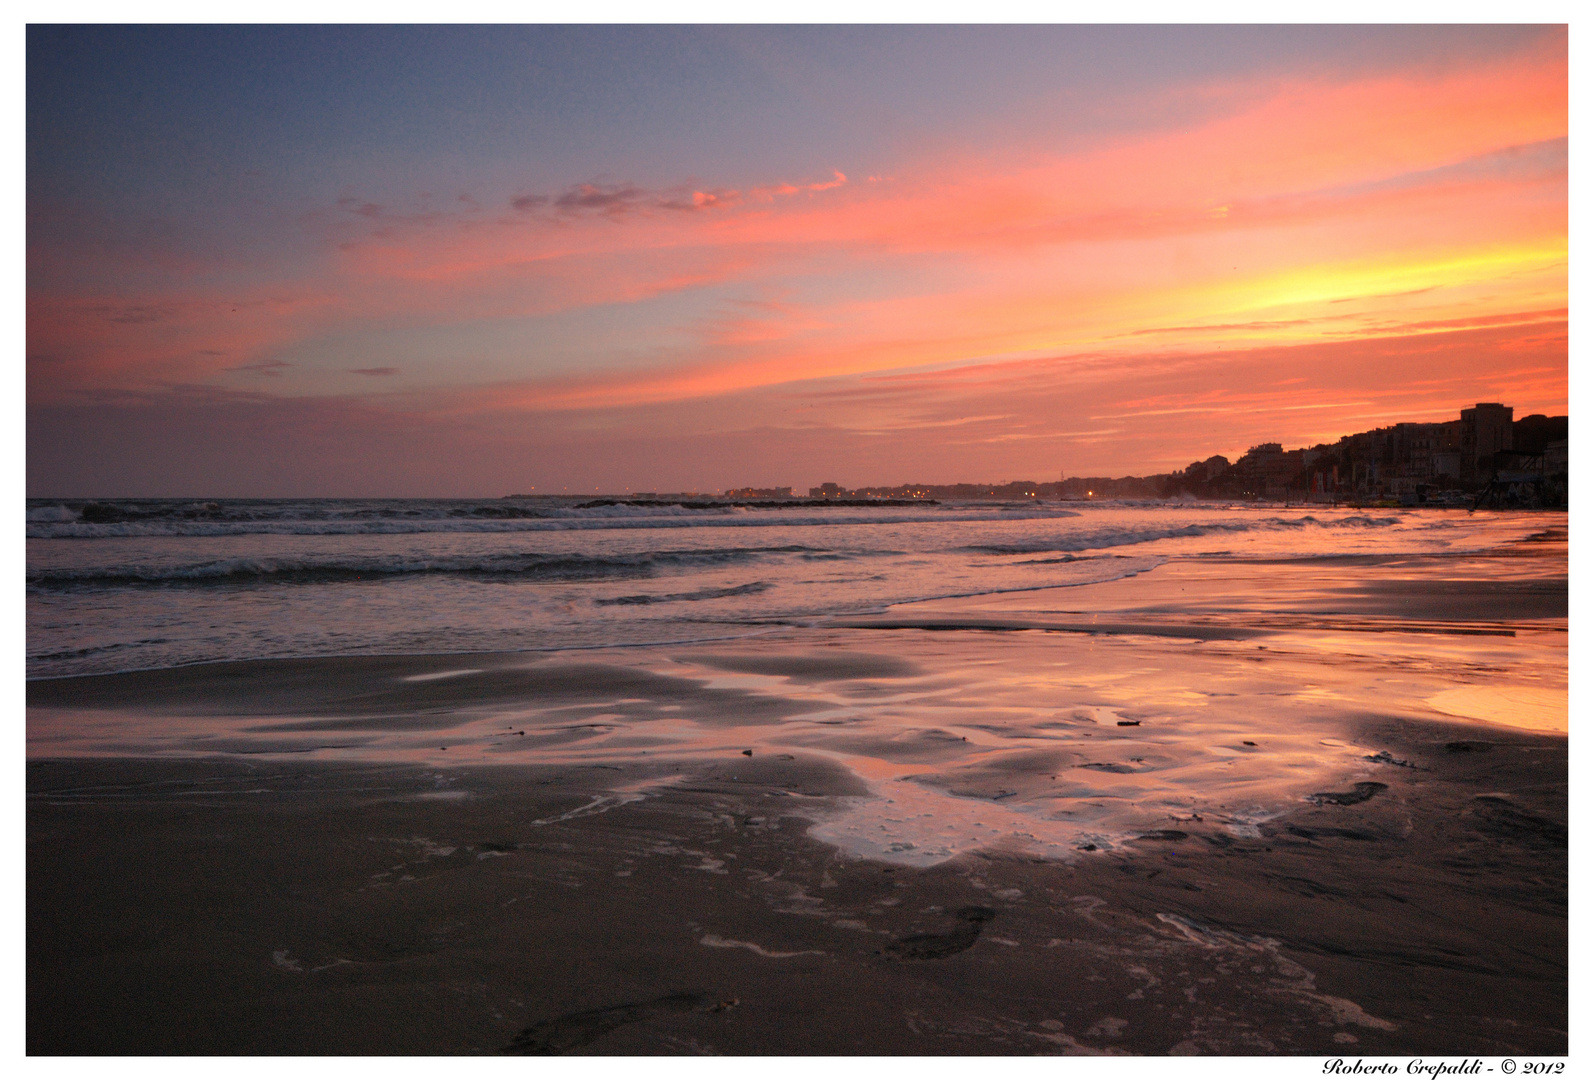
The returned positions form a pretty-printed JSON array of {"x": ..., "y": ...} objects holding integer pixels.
[
  {"x": 575, "y": 1030},
  {"x": 935, "y": 946}
]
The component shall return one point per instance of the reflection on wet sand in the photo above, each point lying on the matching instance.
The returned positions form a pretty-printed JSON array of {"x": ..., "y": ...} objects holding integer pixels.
[
  {"x": 1050, "y": 743},
  {"x": 1532, "y": 707},
  {"x": 1320, "y": 809},
  {"x": 1038, "y": 739}
]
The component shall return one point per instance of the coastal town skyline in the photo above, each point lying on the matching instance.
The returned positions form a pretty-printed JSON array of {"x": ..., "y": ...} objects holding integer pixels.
[
  {"x": 1404, "y": 458},
  {"x": 413, "y": 261}
]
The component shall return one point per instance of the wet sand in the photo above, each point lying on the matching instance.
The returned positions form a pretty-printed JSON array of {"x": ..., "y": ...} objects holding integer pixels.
[{"x": 1142, "y": 835}]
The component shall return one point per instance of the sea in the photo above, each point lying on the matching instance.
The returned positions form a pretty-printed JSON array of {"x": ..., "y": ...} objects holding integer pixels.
[
  {"x": 131, "y": 585},
  {"x": 632, "y": 640}
]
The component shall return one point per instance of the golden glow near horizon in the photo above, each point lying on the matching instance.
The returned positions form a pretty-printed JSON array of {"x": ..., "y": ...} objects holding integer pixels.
[{"x": 1337, "y": 207}]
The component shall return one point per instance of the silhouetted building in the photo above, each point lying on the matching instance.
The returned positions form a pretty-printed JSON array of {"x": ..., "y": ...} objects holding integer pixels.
[
  {"x": 1533, "y": 434},
  {"x": 1485, "y": 431},
  {"x": 1556, "y": 457},
  {"x": 1517, "y": 463}
]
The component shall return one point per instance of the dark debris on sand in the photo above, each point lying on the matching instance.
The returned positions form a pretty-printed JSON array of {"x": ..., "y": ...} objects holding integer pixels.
[
  {"x": 1358, "y": 794},
  {"x": 575, "y": 1030}
]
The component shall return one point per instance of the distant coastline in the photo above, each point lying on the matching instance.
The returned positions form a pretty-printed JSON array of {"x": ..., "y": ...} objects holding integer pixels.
[{"x": 1484, "y": 456}]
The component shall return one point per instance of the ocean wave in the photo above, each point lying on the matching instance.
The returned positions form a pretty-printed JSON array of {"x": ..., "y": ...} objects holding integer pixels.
[
  {"x": 52, "y": 513},
  {"x": 73, "y": 520},
  {"x": 1350, "y": 521},
  {"x": 1103, "y": 538},
  {"x": 350, "y": 511},
  {"x": 1088, "y": 539},
  {"x": 1089, "y": 571},
  {"x": 527, "y": 566},
  {"x": 749, "y": 589}
]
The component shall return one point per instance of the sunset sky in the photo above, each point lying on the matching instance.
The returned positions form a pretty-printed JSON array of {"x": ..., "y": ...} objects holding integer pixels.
[{"x": 470, "y": 261}]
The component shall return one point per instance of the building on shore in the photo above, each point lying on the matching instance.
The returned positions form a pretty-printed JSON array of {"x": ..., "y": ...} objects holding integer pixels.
[
  {"x": 1451, "y": 462},
  {"x": 1410, "y": 462},
  {"x": 1485, "y": 431}
]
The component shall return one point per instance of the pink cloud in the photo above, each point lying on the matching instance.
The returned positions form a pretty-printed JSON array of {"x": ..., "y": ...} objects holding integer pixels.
[
  {"x": 1357, "y": 206},
  {"x": 1032, "y": 419}
]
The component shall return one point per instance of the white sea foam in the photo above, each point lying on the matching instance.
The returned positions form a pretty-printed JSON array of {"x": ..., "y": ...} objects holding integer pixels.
[
  {"x": 335, "y": 518},
  {"x": 50, "y": 514},
  {"x": 433, "y": 676},
  {"x": 714, "y": 941}
]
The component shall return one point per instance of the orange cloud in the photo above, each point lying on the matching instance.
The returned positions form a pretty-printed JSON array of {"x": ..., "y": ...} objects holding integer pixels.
[{"x": 1316, "y": 209}]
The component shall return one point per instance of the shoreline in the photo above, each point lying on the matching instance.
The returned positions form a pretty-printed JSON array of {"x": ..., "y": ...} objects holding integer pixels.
[{"x": 844, "y": 840}]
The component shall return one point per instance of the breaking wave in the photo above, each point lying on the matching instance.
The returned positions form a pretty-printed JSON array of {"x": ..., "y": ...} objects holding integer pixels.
[
  {"x": 528, "y": 566},
  {"x": 697, "y": 594},
  {"x": 70, "y": 519},
  {"x": 1086, "y": 539}
]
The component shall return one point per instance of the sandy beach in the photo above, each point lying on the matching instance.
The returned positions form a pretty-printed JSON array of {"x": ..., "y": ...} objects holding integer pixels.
[{"x": 1220, "y": 807}]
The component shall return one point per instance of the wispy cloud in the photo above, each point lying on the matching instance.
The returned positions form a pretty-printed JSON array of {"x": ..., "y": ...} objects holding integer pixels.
[
  {"x": 612, "y": 199},
  {"x": 135, "y": 314},
  {"x": 272, "y": 369},
  {"x": 616, "y": 200},
  {"x": 1371, "y": 208}
]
